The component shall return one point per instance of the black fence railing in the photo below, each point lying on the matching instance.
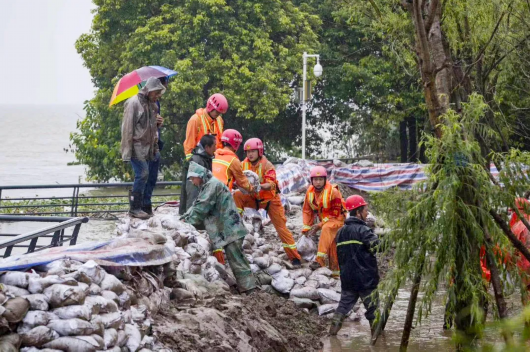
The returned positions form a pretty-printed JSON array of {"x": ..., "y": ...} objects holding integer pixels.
[
  {"x": 56, "y": 232},
  {"x": 70, "y": 205}
]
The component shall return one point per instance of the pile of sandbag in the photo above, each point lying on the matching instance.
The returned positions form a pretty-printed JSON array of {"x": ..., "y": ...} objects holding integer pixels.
[{"x": 80, "y": 307}]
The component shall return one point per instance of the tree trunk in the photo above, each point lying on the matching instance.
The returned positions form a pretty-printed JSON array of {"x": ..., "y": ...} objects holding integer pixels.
[
  {"x": 412, "y": 306},
  {"x": 403, "y": 140},
  {"x": 413, "y": 140}
]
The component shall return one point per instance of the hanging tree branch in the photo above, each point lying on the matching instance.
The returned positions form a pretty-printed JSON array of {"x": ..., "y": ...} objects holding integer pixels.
[{"x": 516, "y": 243}]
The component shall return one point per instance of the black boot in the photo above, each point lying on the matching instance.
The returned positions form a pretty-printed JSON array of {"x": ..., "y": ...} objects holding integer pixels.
[
  {"x": 372, "y": 326},
  {"x": 336, "y": 323},
  {"x": 148, "y": 209},
  {"x": 135, "y": 201},
  {"x": 296, "y": 263}
]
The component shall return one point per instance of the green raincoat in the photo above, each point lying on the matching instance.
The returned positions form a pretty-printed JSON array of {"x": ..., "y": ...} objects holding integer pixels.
[{"x": 216, "y": 208}]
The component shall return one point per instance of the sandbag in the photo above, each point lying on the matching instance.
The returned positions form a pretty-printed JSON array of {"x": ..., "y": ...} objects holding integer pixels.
[
  {"x": 10, "y": 343},
  {"x": 37, "y": 301},
  {"x": 303, "y": 302},
  {"x": 94, "y": 340},
  {"x": 305, "y": 272},
  {"x": 38, "y": 336},
  {"x": 152, "y": 237},
  {"x": 71, "y": 327},
  {"x": 327, "y": 308},
  {"x": 36, "y": 318},
  {"x": 15, "y": 278},
  {"x": 323, "y": 271},
  {"x": 97, "y": 323},
  {"x": 122, "y": 338},
  {"x": 307, "y": 248},
  {"x": 255, "y": 268},
  {"x": 323, "y": 281},
  {"x": 300, "y": 280},
  {"x": 15, "y": 309},
  {"x": 182, "y": 296},
  {"x": 134, "y": 338},
  {"x": 71, "y": 344},
  {"x": 14, "y": 291},
  {"x": 70, "y": 312},
  {"x": 111, "y": 283},
  {"x": 93, "y": 271},
  {"x": 38, "y": 285},
  {"x": 111, "y": 296},
  {"x": 197, "y": 254},
  {"x": 262, "y": 262},
  {"x": 94, "y": 290},
  {"x": 78, "y": 276},
  {"x": 124, "y": 300},
  {"x": 311, "y": 283},
  {"x": 110, "y": 338},
  {"x": 104, "y": 305},
  {"x": 305, "y": 292},
  {"x": 282, "y": 284},
  {"x": 328, "y": 296},
  {"x": 112, "y": 320},
  {"x": 139, "y": 313},
  {"x": 59, "y": 295},
  {"x": 273, "y": 269}
]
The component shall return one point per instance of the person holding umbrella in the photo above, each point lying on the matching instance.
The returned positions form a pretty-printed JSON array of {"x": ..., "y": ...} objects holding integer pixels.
[{"x": 139, "y": 139}]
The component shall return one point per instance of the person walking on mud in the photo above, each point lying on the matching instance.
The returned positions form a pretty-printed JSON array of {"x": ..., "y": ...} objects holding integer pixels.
[
  {"x": 206, "y": 121},
  {"x": 139, "y": 141},
  {"x": 323, "y": 203},
  {"x": 359, "y": 275},
  {"x": 216, "y": 208},
  {"x": 203, "y": 155},
  {"x": 267, "y": 198}
]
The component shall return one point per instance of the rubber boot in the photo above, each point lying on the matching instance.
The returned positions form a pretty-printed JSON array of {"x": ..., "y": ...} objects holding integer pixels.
[
  {"x": 372, "y": 326},
  {"x": 296, "y": 263},
  {"x": 136, "y": 206},
  {"x": 148, "y": 209},
  {"x": 336, "y": 323}
]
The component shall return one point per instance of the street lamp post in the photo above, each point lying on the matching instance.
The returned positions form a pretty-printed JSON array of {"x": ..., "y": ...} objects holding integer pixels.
[{"x": 317, "y": 70}]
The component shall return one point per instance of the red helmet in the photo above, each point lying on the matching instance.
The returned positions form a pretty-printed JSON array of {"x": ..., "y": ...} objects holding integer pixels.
[
  {"x": 233, "y": 138},
  {"x": 217, "y": 102},
  {"x": 319, "y": 171},
  {"x": 254, "y": 144},
  {"x": 354, "y": 202}
]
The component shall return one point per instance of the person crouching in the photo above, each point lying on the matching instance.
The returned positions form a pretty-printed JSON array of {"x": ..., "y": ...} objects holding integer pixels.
[{"x": 359, "y": 276}]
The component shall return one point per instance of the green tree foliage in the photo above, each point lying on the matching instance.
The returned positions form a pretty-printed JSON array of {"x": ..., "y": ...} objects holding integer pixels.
[{"x": 248, "y": 50}]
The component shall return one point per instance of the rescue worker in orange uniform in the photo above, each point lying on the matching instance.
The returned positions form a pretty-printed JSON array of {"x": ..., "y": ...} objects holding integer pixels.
[
  {"x": 324, "y": 202},
  {"x": 206, "y": 121},
  {"x": 227, "y": 168},
  {"x": 519, "y": 229},
  {"x": 267, "y": 198}
]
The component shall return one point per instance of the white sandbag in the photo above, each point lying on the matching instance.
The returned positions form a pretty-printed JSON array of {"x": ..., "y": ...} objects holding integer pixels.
[
  {"x": 282, "y": 284},
  {"x": 274, "y": 269},
  {"x": 203, "y": 242},
  {"x": 197, "y": 254},
  {"x": 35, "y": 318},
  {"x": 15, "y": 309},
  {"x": 300, "y": 280},
  {"x": 154, "y": 222},
  {"x": 122, "y": 338},
  {"x": 14, "y": 291},
  {"x": 57, "y": 267},
  {"x": 93, "y": 271},
  {"x": 39, "y": 284},
  {"x": 282, "y": 273},
  {"x": 94, "y": 340},
  {"x": 71, "y": 344},
  {"x": 262, "y": 262},
  {"x": 328, "y": 296},
  {"x": 100, "y": 304},
  {"x": 37, "y": 301},
  {"x": 134, "y": 338},
  {"x": 296, "y": 200},
  {"x": 311, "y": 283},
  {"x": 97, "y": 323},
  {"x": 71, "y": 327},
  {"x": 254, "y": 268},
  {"x": 148, "y": 342},
  {"x": 211, "y": 274},
  {"x": 94, "y": 290},
  {"x": 196, "y": 269},
  {"x": 307, "y": 248},
  {"x": 327, "y": 308},
  {"x": 112, "y": 320},
  {"x": 9, "y": 343},
  {"x": 38, "y": 336},
  {"x": 323, "y": 271},
  {"x": 15, "y": 278},
  {"x": 110, "y": 295},
  {"x": 77, "y": 276},
  {"x": 111, "y": 283},
  {"x": 84, "y": 287},
  {"x": 250, "y": 239},
  {"x": 253, "y": 179},
  {"x": 306, "y": 272},
  {"x": 148, "y": 235},
  {"x": 323, "y": 281},
  {"x": 139, "y": 313},
  {"x": 305, "y": 292},
  {"x": 110, "y": 338},
  {"x": 124, "y": 300},
  {"x": 59, "y": 295},
  {"x": 71, "y": 312}
]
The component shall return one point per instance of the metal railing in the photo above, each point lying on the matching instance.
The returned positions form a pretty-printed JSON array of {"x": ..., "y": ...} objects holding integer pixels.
[
  {"x": 74, "y": 203},
  {"x": 57, "y": 239}
]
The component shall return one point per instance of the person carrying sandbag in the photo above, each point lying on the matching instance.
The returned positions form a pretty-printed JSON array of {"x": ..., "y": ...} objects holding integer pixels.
[
  {"x": 323, "y": 202},
  {"x": 216, "y": 208},
  {"x": 359, "y": 275},
  {"x": 267, "y": 198}
]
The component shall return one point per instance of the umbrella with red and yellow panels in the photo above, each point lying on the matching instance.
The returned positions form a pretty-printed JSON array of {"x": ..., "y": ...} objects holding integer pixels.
[{"x": 130, "y": 84}]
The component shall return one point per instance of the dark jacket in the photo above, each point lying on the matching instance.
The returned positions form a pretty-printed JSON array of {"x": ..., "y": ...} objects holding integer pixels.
[
  {"x": 160, "y": 141},
  {"x": 189, "y": 192},
  {"x": 356, "y": 244}
]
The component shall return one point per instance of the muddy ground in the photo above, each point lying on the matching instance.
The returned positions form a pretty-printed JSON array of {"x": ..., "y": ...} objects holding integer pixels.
[{"x": 258, "y": 322}]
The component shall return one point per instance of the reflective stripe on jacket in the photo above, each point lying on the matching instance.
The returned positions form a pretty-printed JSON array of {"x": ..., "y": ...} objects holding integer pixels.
[
  {"x": 263, "y": 169},
  {"x": 200, "y": 124}
]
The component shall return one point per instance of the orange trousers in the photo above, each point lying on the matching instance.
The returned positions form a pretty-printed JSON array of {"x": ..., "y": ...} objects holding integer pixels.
[
  {"x": 218, "y": 253},
  {"x": 327, "y": 247},
  {"x": 278, "y": 219}
]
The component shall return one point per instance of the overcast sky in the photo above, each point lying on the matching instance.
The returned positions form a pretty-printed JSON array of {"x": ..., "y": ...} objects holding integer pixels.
[{"x": 38, "y": 59}]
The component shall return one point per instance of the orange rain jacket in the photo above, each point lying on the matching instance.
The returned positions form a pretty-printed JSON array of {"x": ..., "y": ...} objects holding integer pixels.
[{"x": 200, "y": 124}]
